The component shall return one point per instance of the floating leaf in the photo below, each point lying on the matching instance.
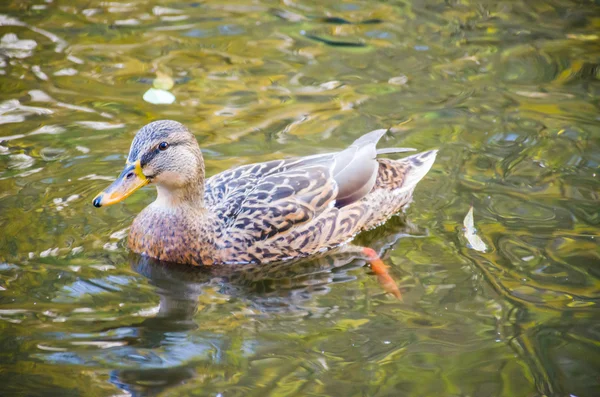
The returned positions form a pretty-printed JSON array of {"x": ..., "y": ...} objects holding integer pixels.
[
  {"x": 159, "y": 97},
  {"x": 471, "y": 233}
]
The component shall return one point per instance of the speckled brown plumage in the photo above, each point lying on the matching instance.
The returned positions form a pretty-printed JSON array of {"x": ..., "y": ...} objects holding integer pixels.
[{"x": 269, "y": 211}]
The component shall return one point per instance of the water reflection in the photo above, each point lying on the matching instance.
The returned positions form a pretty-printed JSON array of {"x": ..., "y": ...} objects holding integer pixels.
[{"x": 275, "y": 290}]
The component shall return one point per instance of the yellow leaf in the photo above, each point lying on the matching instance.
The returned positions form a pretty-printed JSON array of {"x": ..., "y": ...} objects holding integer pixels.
[{"x": 163, "y": 81}]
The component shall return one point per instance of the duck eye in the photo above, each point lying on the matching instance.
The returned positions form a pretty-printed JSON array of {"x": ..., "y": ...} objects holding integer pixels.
[{"x": 163, "y": 146}]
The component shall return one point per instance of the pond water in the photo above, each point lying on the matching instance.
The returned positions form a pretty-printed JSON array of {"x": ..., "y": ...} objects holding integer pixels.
[{"x": 507, "y": 91}]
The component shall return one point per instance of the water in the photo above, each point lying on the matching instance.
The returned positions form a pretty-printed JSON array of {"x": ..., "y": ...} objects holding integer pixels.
[{"x": 508, "y": 91}]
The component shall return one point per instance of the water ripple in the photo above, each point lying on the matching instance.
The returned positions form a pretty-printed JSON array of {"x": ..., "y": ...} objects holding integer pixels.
[{"x": 506, "y": 92}]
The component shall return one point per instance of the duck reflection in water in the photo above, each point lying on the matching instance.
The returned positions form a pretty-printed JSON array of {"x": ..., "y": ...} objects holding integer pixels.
[{"x": 277, "y": 289}]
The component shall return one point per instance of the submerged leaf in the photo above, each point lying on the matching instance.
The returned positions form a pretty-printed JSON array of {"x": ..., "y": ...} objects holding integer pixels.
[
  {"x": 348, "y": 324},
  {"x": 163, "y": 81}
]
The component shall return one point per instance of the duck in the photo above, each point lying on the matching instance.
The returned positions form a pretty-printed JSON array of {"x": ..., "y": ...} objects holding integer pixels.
[{"x": 259, "y": 213}]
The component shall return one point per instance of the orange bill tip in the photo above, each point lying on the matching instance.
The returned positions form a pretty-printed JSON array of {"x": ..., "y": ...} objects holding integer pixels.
[{"x": 131, "y": 179}]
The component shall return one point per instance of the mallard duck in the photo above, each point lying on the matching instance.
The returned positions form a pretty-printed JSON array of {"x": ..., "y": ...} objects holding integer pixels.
[{"x": 263, "y": 212}]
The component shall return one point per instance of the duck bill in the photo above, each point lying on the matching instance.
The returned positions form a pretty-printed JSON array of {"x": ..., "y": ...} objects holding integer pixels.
[{"x": 130, "y": 180}]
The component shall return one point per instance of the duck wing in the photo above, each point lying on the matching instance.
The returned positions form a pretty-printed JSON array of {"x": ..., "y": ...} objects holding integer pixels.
[
  {"x": 261, "y": 200},
  {"x": 225, "y": 193}
]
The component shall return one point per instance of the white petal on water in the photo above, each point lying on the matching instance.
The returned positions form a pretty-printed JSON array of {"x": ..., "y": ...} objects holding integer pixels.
[
  {"x": 474, "y": 240},
  {"x": 82, "y": 149},
  {"x": 159, "y": 97}
]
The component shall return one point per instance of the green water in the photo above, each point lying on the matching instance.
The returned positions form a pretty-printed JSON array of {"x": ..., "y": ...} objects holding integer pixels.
[{"x": 509, "y": 92}]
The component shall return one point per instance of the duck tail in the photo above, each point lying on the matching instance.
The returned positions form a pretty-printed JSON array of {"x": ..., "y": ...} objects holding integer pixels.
[{"x": 417, "y": 166}]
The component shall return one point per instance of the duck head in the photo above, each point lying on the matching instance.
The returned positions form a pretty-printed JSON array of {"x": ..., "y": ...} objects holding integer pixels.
[{"x": 164, "y": 153}]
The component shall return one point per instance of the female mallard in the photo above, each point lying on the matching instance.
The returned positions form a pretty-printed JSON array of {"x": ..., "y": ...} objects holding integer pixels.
[{"x": 260, "y": 212}]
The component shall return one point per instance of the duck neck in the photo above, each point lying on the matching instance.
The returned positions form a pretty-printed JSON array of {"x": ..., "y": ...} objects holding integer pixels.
[{"x": 192, "y": 196}]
